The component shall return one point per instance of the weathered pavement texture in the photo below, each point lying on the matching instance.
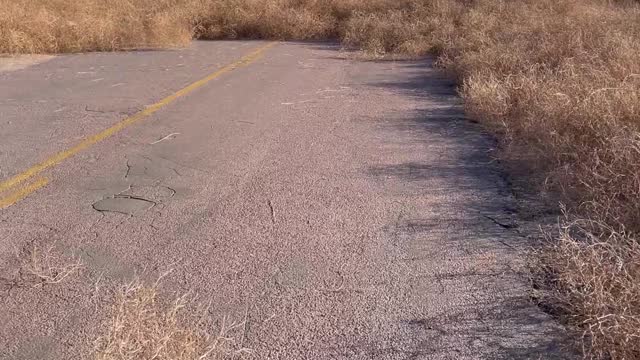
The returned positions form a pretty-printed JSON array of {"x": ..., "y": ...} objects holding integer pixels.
[{"x": 345, "y": 209}]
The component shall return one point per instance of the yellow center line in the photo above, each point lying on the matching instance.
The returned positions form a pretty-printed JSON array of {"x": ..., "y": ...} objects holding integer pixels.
[
  {"x": 23, "y": 192},
  {"x": 93, "y": 139}
]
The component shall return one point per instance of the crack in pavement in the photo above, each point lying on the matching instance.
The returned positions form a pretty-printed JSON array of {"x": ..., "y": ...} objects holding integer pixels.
[{"x": 272, "y": 211}]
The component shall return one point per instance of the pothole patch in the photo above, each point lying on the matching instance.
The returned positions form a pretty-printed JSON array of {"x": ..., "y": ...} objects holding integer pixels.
[
  {"x": 123, "y": 204},
  {"x": 135, "y": 199}
]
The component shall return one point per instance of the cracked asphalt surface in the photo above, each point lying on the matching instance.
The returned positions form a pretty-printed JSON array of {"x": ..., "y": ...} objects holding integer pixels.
[{"x": 346, "y": 209}]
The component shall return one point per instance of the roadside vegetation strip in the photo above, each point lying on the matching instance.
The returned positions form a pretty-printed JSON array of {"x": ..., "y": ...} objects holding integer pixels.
[{"x": 94, "y": 139}]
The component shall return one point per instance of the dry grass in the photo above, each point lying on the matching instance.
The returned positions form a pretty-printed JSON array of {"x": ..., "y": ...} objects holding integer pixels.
[
  {"x": 39, "y": 266},
  {"x": 557, "y": 80},
  {"x": 593, "y": 270},
  {"x": 48, "y": 267},
  {"x": 54, "y": 26},
  {"x": 144, "y": 326}
]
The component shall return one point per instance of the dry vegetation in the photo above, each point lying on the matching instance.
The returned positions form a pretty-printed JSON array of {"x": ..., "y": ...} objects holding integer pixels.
[
  {"x": 594, "y": 279},
  {"x": 144, "y": 326},
  {"x": 557, "y": 80},
  {"x": 53, "y": 26},
  {"x": 38, "y": 266}
]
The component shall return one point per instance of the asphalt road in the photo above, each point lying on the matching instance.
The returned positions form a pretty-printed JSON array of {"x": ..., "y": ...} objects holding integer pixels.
[{"x": 345, "y": 209}]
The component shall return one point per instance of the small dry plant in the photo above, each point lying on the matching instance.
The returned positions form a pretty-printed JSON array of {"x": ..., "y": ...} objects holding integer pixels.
[
  {"x": 47, "y": 267},
  {"x": 143, "y": 327},
  {"x": 40, "y": 266}
]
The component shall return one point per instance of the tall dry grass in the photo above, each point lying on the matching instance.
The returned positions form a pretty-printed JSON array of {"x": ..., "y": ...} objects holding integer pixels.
[
  {"x": 56, "y": 26},
  {"x": 557, "y": 80},
  {"x": 591, "y": 275}
]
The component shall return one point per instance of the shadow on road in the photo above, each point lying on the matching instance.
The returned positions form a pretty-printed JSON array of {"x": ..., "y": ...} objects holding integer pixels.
[{"x": 466, "y": 232}]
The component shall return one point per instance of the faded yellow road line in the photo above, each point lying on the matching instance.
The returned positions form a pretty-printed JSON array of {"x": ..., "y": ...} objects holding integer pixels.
[
  {"x": 149, "y": 110},
  {"x": 21, "y": 193}
]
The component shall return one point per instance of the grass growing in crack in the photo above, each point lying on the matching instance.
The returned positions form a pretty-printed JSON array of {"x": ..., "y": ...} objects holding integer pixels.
[
  {"x": 40, "y": 266},
  {"x": 47, "y": 267},
  {"x": 145, "y": 326}
]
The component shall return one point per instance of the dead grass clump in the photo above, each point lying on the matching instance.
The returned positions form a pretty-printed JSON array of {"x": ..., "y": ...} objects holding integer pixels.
[
  {"x": 143, "y": 326},
  {"x": 413, "y": 28},
  {"x": 47, "y": 267},
  {"x": 594, "y": 272},
  {"x": 395, "y": 31},
  {"x": 39, "y": 266},
  {"x": 258, "y": 19}
]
